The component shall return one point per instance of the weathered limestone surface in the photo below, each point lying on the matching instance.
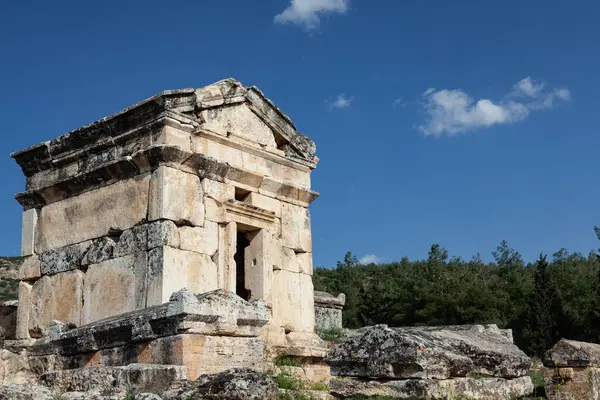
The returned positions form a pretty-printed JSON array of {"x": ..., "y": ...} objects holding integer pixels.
[
  {"x": 153, "y": 199},
  {"x": 115, "y": 383},
  {"x": 133, "y": 376},
  {"x": 30, "y": 268},
  {"x": 219, "y": 191},
  {"x": 234, "y": 384},
  {"x": 93, "y": 214},
  {"x": 286, "y": 297},
  {"x": 171, "y": 269},
  {"x": 25, "y": 392},
  {"x": 307, "y": 305},
  {"x": 306, "y": 345},
  {"x": 434, "y": 389},
  {"x": 328, "y": 310},
  {"x": 264, "y": 202},
  {"x": 29, "y": 227},
  {"x": 114, "y": 286},
  {"x": 308, "y": 373},
  {"x": 572, "y": 383},
  {"x": 15, "y": 367},
  {"x": 176, "y": 196},
  {"x": 23, "y": 311},
  {"x": 571, "y": 353},
  {"x": 69, "y": 297},
  {"x": 43, "y": 306},
  {"x": 99, "y": 394},
  {"x": 295, "y": 229},
  {"x": 427, "y": 353},
  {"x": 572, "y": 371},
  {"x": 205, "y": 333},
  {"x": 475, "y": 362},
  {"x": 203, "y": 240}
]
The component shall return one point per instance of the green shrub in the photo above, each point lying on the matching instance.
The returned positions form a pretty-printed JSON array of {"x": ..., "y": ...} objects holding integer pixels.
[
  {"x": 287, "y": 381},
  {"x": 334, "y": 335},
  {"x": 317, "y": 386},
  {"x": 130, "y": 395},
  {"x": 285, "y": 361},
  {"x": 369, "y": 398},
  {"x": 538, "y": 384}
]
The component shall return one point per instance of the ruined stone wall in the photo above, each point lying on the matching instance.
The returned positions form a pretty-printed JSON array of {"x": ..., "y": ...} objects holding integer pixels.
[
  {"x": 122, "y": 213},
  {"x": 328, "y": 310},
  {"x": 572, "y": 371}
]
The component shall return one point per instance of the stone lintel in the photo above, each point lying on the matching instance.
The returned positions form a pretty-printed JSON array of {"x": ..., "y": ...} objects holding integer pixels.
[
  {"x": 219, "y": 312},
  {"x": 150, "y": 159},
  {"x": 246, "y": 214}
]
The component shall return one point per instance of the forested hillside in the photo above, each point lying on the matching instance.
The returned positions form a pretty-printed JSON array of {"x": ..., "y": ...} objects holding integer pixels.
[
  {"x": 540, "y": 301},
  {"x": 9, "y": 283}
]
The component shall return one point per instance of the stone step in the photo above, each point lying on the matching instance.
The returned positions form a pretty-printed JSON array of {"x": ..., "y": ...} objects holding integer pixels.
[{"x": 139, "y": 377}]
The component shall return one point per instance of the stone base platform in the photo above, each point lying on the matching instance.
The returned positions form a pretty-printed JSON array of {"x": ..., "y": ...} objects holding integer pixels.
[
  {"x": 138, "y": 377},
  {"x": 205, "y": 333},
  {"x": 308, "y": 350}
]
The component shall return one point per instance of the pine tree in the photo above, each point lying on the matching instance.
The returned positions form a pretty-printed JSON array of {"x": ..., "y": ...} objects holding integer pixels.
[{"x": 545, "y": 310}]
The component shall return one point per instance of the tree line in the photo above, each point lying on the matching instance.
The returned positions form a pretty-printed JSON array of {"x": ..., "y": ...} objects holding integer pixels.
[{"x": 540, "y": 301}]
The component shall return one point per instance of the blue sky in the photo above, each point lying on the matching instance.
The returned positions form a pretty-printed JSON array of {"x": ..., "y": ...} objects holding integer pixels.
[{"x": 461, "y": 123}]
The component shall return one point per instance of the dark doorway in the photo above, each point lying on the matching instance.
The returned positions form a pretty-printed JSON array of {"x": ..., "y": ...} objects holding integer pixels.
[{"x": 240, "y": 268}]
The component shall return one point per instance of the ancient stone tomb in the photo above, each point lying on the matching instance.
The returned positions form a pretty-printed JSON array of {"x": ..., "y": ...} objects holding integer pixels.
[{"x": 200, "y": 189}]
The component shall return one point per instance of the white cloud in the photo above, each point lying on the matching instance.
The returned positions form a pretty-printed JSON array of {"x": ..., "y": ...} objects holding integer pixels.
[
  {"x": 341, "y": 101},
  {"x": 399, "y": 103},
  {"x": 307, "y": 12},
  {"x": 526, "y": 87},
  {"x": 454, "y": 111},
  {"x": 368, "y": 259}
]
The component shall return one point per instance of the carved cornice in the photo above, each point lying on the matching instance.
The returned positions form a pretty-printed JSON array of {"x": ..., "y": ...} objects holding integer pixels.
[{"x": 151, "y": 158}]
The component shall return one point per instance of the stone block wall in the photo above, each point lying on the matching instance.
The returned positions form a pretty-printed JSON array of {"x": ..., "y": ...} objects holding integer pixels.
[
  {"x": 328, "y": 310},
  {"x": 121, "y": 213}
]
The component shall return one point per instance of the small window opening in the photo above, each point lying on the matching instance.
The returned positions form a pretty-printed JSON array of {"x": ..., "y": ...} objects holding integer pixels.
[
  {"x": 240, "y": 268},
  {"x": 241, "y": 194}
]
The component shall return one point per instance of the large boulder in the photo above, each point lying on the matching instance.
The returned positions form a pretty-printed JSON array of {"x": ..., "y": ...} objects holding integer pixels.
[
  {"x": 434, "y": 389},
  {"x": 428, "y": 353},
  {"x": 233, "y": 384},
  {"x": 571, "y": 353}
]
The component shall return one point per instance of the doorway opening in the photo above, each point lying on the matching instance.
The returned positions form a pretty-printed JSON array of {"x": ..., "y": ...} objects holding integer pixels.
[{"x": 242, "y": 243}]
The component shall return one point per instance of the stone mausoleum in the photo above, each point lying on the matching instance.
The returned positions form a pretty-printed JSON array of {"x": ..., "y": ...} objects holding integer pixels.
[{"x": 201, "y": 189}]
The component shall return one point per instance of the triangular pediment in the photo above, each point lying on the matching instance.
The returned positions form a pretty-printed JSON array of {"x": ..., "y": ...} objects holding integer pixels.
[{"x": 227, "y": 106}]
